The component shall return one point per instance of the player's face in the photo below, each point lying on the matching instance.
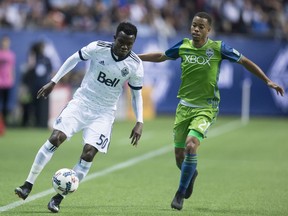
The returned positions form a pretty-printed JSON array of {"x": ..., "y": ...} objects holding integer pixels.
[
  {"x": 123, "y": 44},
  {"x": 200, "y": 29}
]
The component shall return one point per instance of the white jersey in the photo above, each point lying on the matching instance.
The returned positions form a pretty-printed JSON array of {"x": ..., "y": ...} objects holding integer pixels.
[{"x": 103, "y": 83}]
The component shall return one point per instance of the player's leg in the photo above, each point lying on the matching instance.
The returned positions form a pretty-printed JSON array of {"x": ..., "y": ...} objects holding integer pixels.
[
  {"x": 179, "y": 157},
  {"x": 181, "y": 125},
  {"x": 98, "y": 132},
  {"x": 187, "y": 171},
  {"x": 96, "y": 135},
  {"x": 81, "y": 168},
  {"x": 199, "y": 121},
  {"x": 180, "y": 132},
  {"x": 64, "y": 127},
  {"x": 84, "y": 164},
  {"x": 42, "y": 157}
]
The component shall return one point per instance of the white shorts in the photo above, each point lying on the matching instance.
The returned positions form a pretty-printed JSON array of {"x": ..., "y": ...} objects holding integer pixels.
[{"x": 95, "y": 124}]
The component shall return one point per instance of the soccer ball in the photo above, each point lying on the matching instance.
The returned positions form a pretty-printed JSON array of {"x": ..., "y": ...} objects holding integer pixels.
[{"x": 65, "y": 181}]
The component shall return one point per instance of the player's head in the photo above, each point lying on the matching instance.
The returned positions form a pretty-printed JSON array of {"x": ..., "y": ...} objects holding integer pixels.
[
  {"x": 127, "y": 28},
  {"x": 201, "y": 26},
  {"x": 206, "y": 16},
  {"x": 126, "y": 34}
]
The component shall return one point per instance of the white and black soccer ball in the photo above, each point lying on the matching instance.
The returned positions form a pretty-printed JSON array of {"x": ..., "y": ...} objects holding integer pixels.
[{"x": 65, "y": 181}]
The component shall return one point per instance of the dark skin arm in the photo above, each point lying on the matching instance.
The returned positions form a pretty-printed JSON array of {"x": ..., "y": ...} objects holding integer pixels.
[
  {"x": 247, "y": 63},
  {"x": 257, "y": 71},
  {"x": 136, "y": 133},
  {"x": 46, "y": 90},
  {"x": 153, "y": 57}
]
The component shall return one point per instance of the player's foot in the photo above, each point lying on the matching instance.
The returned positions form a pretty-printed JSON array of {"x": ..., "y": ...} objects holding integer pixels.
[
  {"x": 54, "y": 204},
  {"x": 189, "y": 190},
  {"x": 24, "y": 190},
  {"x": 177, "y": 202}
]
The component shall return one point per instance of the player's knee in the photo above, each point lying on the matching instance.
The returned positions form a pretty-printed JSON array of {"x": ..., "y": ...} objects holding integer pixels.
[
  {"x": 57, "y": 137},
  {"x": 190, "y": 148},
  {"x": 191, "y": 145}
]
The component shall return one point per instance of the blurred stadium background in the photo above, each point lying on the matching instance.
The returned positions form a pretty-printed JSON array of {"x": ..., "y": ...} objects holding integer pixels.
[
  {"x": 243, "y": 167},
  {"x": 257, "y": 28}
]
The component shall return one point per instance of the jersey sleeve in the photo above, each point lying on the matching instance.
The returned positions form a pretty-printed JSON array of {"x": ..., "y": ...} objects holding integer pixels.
[
  {"x": 230, "y": 53},
  {"x": 136, "y": 80},
  {"x": 88, "y": 51},
  {"x": 173, "y": 52},
  {"x": 67, "y": 66}
]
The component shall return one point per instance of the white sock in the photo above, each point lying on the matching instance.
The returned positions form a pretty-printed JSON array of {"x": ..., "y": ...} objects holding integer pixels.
[
  {"x": 82, "y": 168},
  {"x": 43, "y": 156}
]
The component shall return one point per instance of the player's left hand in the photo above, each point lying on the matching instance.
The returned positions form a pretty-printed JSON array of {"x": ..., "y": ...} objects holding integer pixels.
[
  {"x": 46, "y": 90},
  {"x": 278, "y": 88},
  {"x": 136, "y": 133}
]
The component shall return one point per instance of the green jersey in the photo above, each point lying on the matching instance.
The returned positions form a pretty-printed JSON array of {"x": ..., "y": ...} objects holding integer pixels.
[{"x": 200, "y": 70}]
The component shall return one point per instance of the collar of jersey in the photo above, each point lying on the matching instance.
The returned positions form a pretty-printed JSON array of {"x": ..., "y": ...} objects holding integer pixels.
[
  {"x": 201, "y": 46},
  {"x": 116, "y": 58}
]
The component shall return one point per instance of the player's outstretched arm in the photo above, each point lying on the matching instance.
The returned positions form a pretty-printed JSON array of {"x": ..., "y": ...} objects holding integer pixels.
[
  {"x": 257, "y": 71},
  {"x": 67, "y": 66},
  {"x": 153, "y": 57},
  {"x": 137, "y": 104}
]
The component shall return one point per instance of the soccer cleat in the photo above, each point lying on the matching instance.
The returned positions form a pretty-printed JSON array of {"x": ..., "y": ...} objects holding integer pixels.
[
  {"x": 54, "y": 204},
  {"x": 189, "y": 190},
  {"x": 24, "y": 190},
  {"x": 177, "y": 202}
]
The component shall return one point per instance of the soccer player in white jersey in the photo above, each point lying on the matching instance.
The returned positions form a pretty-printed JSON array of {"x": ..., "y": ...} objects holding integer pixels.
[{"x": 93, "y": 105}]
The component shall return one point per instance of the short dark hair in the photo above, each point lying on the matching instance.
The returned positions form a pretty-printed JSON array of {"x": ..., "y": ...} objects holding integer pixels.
[
  {"x": 128, "y": 28},
  {"x": 204, "y": 15}
]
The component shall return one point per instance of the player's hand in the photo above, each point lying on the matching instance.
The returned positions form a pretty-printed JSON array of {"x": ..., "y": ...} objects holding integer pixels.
[
  {"x": 136, "y": 133},
  {"x": 45, "y": 90},
  {"x": 278, "y": 88}
]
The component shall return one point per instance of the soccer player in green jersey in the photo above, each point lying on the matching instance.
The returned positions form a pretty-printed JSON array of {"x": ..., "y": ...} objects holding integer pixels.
[{"x": 199, "y": 94}]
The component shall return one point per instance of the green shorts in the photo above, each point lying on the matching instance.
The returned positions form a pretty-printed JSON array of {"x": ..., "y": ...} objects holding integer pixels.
[{"x": 189, "y": 118}]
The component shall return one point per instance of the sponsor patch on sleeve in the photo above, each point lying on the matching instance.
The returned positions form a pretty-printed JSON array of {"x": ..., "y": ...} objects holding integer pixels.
[{"x": 236, "y": 52}]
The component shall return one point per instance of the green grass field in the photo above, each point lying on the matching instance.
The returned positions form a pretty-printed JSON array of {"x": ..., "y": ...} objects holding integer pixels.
[{"x": 243, "y": 170}]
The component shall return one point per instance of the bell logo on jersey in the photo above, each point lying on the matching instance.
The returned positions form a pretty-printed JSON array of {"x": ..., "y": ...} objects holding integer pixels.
[{"x": 108, "y": 82}]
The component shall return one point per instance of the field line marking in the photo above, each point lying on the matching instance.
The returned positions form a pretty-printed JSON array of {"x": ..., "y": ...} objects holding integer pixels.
[
  {"x": 128, "y": 163},
  {"x": 233, "y": 125},
  {"x": 104, "y": 172},
  {"x": 216, "y": 132}
]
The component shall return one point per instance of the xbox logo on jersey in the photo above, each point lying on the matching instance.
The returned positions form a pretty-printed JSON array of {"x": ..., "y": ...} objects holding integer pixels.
[
  {"x": 108, "y": 82},
  {"x": 197, "y": 59}
]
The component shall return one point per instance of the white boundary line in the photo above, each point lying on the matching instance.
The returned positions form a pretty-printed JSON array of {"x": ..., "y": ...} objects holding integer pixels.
[{"x": 216, "y": 132}]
